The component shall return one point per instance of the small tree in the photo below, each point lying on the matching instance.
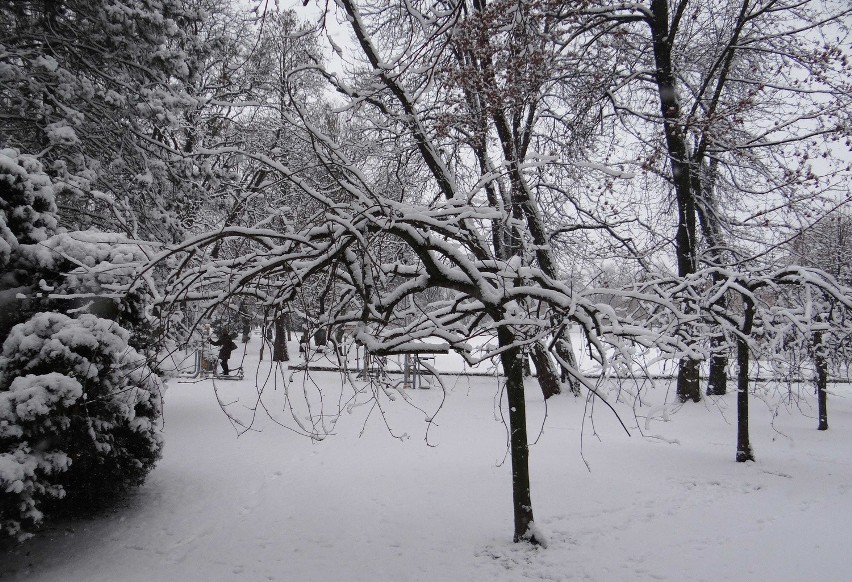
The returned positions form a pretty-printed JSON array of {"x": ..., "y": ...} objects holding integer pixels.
[
  {"x": 728, "y": 101},
  {"x": 767, "y": 312},
  {"x": 454, "y": 278}
]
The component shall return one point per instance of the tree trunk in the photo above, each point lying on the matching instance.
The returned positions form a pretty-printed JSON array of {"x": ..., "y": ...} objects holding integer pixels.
[
  {"x": 519, "y": 447},
  {"x": 744, "y": 452},
  {"x": 688, "y": 386},
  {"x": 547, "y": 378},
  {"x": 565, "y": 351},
  {"x": 662, "y": 38},
  {"x": 704, "y": 183},
  {"x": 821, "y": 365},
  {"x": 279, "y": 346},
  {"x": 717, "y": 385},
  {"x": 320, "y": 337}
]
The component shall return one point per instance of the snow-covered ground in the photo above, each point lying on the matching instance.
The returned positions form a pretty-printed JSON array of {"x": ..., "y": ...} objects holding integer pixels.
[{"x": 365, "y": 506}]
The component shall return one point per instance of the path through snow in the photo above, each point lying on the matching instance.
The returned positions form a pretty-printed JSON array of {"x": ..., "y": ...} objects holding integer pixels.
[{"x": 272, "y": 505}]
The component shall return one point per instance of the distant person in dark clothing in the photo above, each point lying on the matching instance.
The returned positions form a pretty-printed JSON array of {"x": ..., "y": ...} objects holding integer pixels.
[{"x": 226, "y": 346}]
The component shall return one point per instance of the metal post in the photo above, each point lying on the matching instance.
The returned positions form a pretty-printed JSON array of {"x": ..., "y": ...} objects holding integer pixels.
[{"x": 406, "y": 375}]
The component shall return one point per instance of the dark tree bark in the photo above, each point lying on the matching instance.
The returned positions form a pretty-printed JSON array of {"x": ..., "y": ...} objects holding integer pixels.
[
  {"x": 744, "y": 452},
  {"x": 708, "y": 218},
  {"x": 521, "y": 497},
  {"x": 547, "y": 378},
  {"x": 717, "y": 383},
  {"x": 688, "y": 380},
  {"x": 662, "y": 37},
  {"x": 279, "y": 345},
  {"x": 320, "y": 337},
  {"x": 821, "y": 364},
  {"x": 565, "y": 352}
]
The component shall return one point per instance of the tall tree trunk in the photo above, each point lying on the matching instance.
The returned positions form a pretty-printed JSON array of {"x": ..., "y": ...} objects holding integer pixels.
[
  {"x": 320, "y": 337},
  {"x": 688, "y": 380},
  {"x": 717, "y": 383},
  {"x": 279, "y": 345},
  {"x": 518, "y": 445},
  {"x": 547, "y": 378},
  {"x": 704, "y": 182},
  {"x": 744, "y": 452},
  {"x": 662, "y": 38},
  {"x": 821, "y": 365},
  {"x": 565, "y": 351}
]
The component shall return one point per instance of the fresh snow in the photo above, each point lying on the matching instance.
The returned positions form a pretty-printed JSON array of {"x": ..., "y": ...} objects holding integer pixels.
[{"x": 364, "y": 506}]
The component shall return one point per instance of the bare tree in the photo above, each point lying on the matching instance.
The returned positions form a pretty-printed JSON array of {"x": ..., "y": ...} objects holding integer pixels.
[
  {"x": 770, "y": 310},
  {"x": 449, "y": 279},
  {"x": 746, "y": 92},
  {"x": 412, "y": 209},
  {"x": 825, "y": 245}
]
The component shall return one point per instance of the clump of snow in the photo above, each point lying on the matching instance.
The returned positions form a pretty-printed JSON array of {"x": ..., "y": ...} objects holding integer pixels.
[
  {"x": 32, "y": 396},
  {"x": 62, "y": 134},
  {"x": 535, "y": 533}
]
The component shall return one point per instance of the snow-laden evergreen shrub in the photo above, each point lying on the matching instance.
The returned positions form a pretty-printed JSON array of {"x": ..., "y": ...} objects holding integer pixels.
[
  {"x": 79, "y": 417},
  {"x": 27, "y": 205},
  {"x": 94, "y": 268}
]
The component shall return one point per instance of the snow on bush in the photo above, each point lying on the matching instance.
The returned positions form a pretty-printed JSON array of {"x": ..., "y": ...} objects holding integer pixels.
[
  {"x": 83, "y": 261},
  {"x": 92, "y": 261},
  {"x": 27, "y": 204},
  {"x": 93, "y": 271},
  {"x": 25, "y": 478},
  {"x": 80, "y": 415}
]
